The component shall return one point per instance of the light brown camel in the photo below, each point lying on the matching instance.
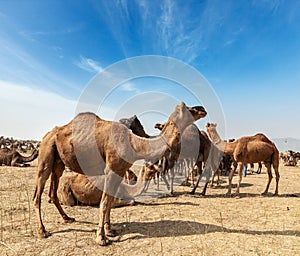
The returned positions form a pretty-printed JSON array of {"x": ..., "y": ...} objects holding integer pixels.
[
  {"x": 75, "y": 188},
  {"x": 103, "y": 150},
  {"x": 14, "y": 158},
  {"x": 248, "y": 149}
]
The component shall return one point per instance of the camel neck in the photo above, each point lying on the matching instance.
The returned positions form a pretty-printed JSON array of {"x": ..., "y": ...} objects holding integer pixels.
[
  {"x": 226, "y": 147},
  {"x": 154, "y": 148}
]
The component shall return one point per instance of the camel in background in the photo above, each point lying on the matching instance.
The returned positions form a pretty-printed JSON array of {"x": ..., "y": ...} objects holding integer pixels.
[
  {"x": 248, "y": 149},
  {"x": 14, "y": 158},
  {"x": 195, "y": 147},
  {"x": 104, "y": 150}
]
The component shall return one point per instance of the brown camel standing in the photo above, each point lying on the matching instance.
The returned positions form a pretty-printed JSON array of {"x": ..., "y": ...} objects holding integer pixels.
[
  {"x": 77, "y": 188},
  {"x": 248, "y": 149},
  {"x": 103, "y": 150}
]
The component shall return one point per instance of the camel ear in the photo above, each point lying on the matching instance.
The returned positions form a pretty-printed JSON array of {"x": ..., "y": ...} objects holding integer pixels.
[{"x": 182, "y": 106}]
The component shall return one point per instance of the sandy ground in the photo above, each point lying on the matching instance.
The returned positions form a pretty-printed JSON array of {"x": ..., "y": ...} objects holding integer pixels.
[{"x": 179, "y": 225}]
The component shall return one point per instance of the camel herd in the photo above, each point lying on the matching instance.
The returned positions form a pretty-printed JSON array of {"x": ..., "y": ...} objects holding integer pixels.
[
  {"x": 10, "y": 151},
  {"x": 290, "y": 158},
  {"x": 99, "y": 153}
]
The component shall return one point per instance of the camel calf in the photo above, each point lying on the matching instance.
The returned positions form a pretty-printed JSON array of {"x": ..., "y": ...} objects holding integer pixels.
[{"x": 77, "y": 189}]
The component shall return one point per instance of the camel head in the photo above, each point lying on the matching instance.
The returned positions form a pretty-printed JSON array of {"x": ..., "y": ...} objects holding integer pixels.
[
  {"x": 211, "y": 129},
  {"x": 159, "y": 126},
  {"x": 183, "y": 116},
  {"x": 150, "y": 169},
  {"x": 197, "y": 112}
]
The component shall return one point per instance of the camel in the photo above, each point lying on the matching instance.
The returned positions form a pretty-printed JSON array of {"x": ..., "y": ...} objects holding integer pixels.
[
  {"x": 134, "y": 124},
  {"x": 248, "y": 149},
  {"x": 14, "y": 158},
  {"x": 103, "y": 150},
  {"x": 77, "y": 188},
  {"x": 195, "y": 147}
]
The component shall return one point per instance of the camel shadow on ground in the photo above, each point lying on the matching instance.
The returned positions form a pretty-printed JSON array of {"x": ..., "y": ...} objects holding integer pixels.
[
  {"x": 172, "y": 228},
  {"x": 175, "y": 228}
]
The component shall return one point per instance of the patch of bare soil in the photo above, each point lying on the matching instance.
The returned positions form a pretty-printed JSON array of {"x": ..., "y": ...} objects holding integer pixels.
[{"x": 179, "y": 225}]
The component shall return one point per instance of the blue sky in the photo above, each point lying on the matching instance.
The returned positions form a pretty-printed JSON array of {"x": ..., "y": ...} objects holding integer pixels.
[{"x": 249, "y": 51}]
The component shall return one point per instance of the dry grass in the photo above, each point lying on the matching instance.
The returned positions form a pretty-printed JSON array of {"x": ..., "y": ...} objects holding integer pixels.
[{"x": 180, "y": 225}]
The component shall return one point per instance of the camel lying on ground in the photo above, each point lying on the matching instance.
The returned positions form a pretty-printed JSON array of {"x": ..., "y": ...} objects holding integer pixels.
[
  {"x": 14, "y": 158},
  {"x": 248, "y": 149},
  {"x": 104, "y": 151},
  {"x": 75, "y": 189}
]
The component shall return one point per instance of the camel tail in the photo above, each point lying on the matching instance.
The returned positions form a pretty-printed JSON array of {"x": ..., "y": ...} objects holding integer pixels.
[{"x": 275, "y": 156}]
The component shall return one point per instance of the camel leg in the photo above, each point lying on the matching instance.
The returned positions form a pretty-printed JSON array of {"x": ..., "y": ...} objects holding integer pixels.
[
  {"x": 240, "y": 171},
  {"x": 199, "y": 166},
  {"x": 203, "y": 193},
  {"x": 277, "y": 179},
  {"x": 107, "y": 227},
  {"x": 192, "y": 171},
  {"x": 43, "y": 175},
  {"x": 212, "y": 179},
  {"x": 172, "y": 175},
  {"x": 55, "y": 176},
  {"x": 186, "y": 171},
  {"x": 196, "y": 185},
  {"x": 104, "y": 204},
  {"x": 157, "y": 180},
  {"x": 230, "y": 180},
  {"x": 270, "y": 177},
  {"x": 259, "y": 168},
  {"x": 111, "y": 186},
  {"x": 163, "y": 176}
]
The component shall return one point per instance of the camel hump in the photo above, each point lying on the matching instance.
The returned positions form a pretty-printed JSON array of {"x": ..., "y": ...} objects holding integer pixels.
[{"x": 262, "y": 137}]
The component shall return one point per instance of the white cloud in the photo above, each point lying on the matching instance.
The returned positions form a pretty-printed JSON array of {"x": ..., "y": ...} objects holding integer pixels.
[
  {"x": 30, "y": 113},
  {"x": 89, "y": 65},
  {"x": 129, "y": 87}
]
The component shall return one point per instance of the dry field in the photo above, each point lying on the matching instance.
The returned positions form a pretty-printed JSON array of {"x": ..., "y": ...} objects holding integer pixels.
[{"x": 179, "y": 225}]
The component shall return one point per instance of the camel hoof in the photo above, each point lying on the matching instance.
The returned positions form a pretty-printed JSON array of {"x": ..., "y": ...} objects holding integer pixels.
[
  {"x": 192, "y": 192},
  {"x": 69, "y": 220},
  {"x": 111, "y": 233},
  {"x": 228, "y": 194},
  {"x": 237, "y": 196},
  {"x": 264, "y": 194},
  {"x": 171, "y": 194},
  {"x": 102, "y": 241},
  {"x": 44, "y": 234}
]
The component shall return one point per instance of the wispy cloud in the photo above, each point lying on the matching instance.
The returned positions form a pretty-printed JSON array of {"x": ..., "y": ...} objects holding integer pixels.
[
  {"x": 89, "y": 65},
  {"x": 129, "y": 87},
  {"x": 229, "y": 42}
]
